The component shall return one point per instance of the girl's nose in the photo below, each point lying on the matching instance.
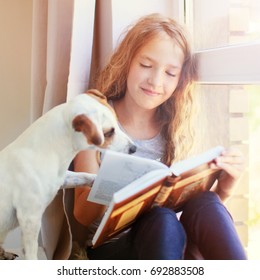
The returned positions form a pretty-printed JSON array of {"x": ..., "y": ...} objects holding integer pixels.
[{"x": 156, "y": 79}]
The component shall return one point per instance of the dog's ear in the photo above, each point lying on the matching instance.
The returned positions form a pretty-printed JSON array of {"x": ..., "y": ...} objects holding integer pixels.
[
  {"x": 97, "y": 95},
  {"x": 101, "y": 98},
  {"x": 82, "y": 123}
]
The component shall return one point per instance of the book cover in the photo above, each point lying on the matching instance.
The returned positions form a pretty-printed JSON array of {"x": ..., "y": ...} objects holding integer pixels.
[{"x": 154, "y": 184}]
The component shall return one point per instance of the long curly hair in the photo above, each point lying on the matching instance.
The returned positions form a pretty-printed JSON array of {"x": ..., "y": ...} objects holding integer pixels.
[{"x": 176, "y": 113}]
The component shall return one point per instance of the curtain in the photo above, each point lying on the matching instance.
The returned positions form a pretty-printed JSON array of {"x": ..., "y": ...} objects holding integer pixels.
[
  {"x": 62, "y": 39},
  {"x": 81, "y": 47}
]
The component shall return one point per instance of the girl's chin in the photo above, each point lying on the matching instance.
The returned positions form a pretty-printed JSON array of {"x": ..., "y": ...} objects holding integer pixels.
[{"x": 148, "y": 105}]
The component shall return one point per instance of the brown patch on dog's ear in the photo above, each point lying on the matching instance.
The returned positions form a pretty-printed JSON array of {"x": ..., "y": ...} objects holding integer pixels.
[
  {"x": 82, "y": 123},
  {"x": 100, "y": 97},
  {"x": 96, "y": 93}
]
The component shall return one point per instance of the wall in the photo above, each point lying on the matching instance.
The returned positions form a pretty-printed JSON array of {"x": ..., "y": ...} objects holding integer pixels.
[
  {"x": 15, "y": 64},
  {"x": 15, "y": 70}
]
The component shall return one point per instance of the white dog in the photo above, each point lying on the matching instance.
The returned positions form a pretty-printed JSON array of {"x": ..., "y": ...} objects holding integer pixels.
[{"x": 34, "y": 166}]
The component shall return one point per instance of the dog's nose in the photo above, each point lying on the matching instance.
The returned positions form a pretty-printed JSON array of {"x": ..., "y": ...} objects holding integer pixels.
[{"x": 132, "y": 149}]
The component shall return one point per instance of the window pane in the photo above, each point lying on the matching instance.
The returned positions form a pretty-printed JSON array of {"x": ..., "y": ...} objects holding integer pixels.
[
  {"x": 254, "y": 171},
  {"x": 231, "y": 116},
  {"x": 225, "y": 22}
]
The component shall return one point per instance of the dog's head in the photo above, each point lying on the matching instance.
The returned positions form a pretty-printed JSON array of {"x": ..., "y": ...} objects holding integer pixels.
[{"x": 95, "y": 125}]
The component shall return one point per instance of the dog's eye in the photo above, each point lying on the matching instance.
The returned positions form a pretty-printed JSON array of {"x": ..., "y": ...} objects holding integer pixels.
[{"x": 109, "y": 133}]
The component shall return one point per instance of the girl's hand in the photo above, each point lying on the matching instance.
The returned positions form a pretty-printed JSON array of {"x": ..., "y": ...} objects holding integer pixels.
[{"x": 232, "y": 164}]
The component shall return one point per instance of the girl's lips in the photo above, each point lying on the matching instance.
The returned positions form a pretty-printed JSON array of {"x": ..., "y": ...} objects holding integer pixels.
[{"x": 150, "y": 92}]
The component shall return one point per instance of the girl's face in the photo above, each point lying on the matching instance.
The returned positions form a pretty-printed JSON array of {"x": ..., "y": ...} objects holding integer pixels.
[{"x": 154, "y": 72}]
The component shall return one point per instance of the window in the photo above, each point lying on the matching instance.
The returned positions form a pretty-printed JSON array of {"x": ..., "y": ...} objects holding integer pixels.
[{"x": 226, "y": 35}]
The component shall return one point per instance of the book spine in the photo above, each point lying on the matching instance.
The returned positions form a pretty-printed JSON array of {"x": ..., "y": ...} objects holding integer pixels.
[
  {"x": 162, "y": 196},
  {"x": 165, "y": 190}
]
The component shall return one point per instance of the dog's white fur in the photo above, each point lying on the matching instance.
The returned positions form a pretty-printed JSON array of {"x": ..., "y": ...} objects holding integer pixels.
[{"x": 34, "y": 166}]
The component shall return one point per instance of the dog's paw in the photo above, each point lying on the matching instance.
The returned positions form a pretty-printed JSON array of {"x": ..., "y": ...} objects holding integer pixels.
[
  {"x": 7, "y": 255},
  {"x": 91, "y": 178},
  {"x": 78, "y": 179}
]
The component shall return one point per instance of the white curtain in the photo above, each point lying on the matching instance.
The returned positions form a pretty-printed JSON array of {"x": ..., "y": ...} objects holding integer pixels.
[
  {"x": 62, "y": 42},
  {"x": 81, "y": 47}
]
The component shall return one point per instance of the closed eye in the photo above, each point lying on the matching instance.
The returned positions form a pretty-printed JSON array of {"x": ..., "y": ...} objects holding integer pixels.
[
  {"x": 145, "y": 65},
  {"x": 109, "y": 133},
  {"x": 171, "y": 74}
]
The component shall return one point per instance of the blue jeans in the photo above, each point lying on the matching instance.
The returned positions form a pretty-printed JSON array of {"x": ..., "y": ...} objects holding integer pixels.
[
  {"x": 205, "y": 231},
  {"x": 210, "y": 230}
]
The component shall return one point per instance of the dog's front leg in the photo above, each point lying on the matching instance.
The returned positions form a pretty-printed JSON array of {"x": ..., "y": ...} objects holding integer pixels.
[{"x": 76, "y": 179}]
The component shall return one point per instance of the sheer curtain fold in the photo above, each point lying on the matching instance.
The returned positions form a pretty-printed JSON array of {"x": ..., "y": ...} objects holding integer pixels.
[
  {"x": 39, "y": 52},
  {"x": 51, "y": 40},
  {"x": 60, "y": 18},
  {"x": 62, "y": 39},
  {"x": 81, "y": 47}
]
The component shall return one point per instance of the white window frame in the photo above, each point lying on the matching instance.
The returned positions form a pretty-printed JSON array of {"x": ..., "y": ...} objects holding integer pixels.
[
  {"x": 233, "y": 64},
  {"x": 238, "y": 64}
]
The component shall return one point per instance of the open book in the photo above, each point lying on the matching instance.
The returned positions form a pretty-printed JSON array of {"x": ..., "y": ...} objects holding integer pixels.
[{"x": 130, "y": 185}]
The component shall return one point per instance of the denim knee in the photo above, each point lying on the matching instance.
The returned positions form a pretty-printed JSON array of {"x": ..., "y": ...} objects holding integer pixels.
[
  {"x": 162, "y": 216},
  {"x": 159, "y": 235},
  {"x": 210, "y": 227},
  {"x": 201, "y": 200}
]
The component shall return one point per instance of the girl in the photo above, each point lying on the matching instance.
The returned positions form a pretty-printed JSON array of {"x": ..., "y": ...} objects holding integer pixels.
[{"x": 148, "y": 81}]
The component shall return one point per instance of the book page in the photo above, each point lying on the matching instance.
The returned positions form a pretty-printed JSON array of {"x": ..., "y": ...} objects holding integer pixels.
[
  {"x": 117, "y": 170},
  {"x": 141, "y": 184},
  {"x": 190, "y": 163}
]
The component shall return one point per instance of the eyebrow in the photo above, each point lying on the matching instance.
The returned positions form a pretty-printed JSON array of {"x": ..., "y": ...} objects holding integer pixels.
[{"x": 154, "y": 61}]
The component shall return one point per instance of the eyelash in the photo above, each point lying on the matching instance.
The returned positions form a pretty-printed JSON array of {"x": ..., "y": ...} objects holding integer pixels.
[
  {"x": 145, "y": 65},
  {"x": 149, "y": 66},
  {"x": 171, "y": 75}
]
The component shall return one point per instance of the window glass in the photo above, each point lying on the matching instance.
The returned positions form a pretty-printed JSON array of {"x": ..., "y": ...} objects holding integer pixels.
[
  {"x": 225, "y": 22},
  {"x": 231, "y": 113},
  {"x": 254, "y": 171}
]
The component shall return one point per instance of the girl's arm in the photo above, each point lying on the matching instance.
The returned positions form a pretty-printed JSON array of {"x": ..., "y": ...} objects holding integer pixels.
[{"x": 85, "y": 211}]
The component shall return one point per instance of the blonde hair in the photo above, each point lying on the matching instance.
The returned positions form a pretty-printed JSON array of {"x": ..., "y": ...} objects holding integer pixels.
[{"x": 175, "y": 114}]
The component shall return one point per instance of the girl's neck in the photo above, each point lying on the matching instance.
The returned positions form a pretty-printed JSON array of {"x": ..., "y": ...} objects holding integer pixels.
[{"x": 138, "y": 122}]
